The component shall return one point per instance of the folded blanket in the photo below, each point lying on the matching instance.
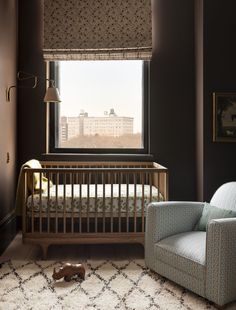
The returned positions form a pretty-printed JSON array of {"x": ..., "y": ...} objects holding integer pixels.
[{"x": 33, "y": 183}]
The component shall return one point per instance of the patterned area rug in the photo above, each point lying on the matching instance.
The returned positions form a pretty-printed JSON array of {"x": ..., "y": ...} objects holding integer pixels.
[{"x": 121, "y": 285}]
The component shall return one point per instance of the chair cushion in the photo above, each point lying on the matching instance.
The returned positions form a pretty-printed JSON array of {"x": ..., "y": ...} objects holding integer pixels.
[
  {"x": 185, "y": 252},
  {"x": 210, "y": 213},
  {"x": 225, "y": 196}
]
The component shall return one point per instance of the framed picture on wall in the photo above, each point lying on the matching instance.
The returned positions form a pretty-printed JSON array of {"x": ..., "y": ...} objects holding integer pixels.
[{"x": 224, "y": 117}]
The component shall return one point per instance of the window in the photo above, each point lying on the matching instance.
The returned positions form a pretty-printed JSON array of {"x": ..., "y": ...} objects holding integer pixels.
[{"x": 104, "y": 107}]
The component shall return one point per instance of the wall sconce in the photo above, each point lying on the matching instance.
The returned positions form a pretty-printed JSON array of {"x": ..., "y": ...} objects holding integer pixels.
[{"x": 51, "y": 95}]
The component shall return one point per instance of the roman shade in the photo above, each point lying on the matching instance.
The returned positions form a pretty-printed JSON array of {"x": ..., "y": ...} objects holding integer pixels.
[{"x": 97, "y": 29}]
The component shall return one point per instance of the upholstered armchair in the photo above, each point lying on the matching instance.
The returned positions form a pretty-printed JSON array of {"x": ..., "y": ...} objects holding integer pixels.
[{"x": 201, "y": 261}]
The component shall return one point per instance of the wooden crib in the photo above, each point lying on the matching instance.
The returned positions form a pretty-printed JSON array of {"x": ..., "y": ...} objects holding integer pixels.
[{"x": 90, "y": 202}]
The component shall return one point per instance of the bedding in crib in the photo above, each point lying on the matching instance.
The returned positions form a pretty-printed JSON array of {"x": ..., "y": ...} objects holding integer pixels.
[{"x": 103, "y": 198}]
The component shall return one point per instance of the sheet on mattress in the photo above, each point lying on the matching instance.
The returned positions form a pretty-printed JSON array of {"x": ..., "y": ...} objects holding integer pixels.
[{"x": 102, "y": 202}]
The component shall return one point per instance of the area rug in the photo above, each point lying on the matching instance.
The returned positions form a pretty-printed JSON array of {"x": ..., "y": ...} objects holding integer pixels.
[{"x": 108, "y": 285}]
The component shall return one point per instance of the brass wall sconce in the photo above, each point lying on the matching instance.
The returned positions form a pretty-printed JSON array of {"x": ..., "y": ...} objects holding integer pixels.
[{"x": 51, "y": 95}]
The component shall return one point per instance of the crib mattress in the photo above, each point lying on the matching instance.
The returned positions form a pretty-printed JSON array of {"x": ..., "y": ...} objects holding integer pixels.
[{"x": 85, "y": 199}]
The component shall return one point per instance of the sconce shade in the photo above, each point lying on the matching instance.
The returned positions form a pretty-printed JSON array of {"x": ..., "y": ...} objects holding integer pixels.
[{"x": 52, "y": 95}]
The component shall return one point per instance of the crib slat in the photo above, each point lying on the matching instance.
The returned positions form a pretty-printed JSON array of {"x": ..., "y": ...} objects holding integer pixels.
[
  {"x": 48, "y": 203},
  {"x": 119, "y": 200},
  {"x": 64, "y": 203},
  {"x": 150, "y": 183},
  {"x": 166, "y": 180},
  {"x": 72, "y": 202},
  {"x": 24, "y": 224},
  {"x": 103, "y": 201},
  {"x": 96, "y": 202},
  {"x": 32, "y": 205},
  {"x": 56, "y": 206},
  {"x": 102, "y": 178},
  {"x": 76, "y": 178},
  {"x": 88, "y": 202},
  {"x": 80, "y": 201},
  {"x": 89, "y": 175},
  {"x": 127, "y": 202},
  {"x": 135, "y": 203},
  {"x": 40, "y": 203},
  {"x": 143, "y": 205},
  {"x": 111, "y": 179}
]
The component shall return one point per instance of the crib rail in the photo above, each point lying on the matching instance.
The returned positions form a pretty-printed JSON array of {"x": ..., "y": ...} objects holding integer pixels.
[{"x": 84, "y": 199}]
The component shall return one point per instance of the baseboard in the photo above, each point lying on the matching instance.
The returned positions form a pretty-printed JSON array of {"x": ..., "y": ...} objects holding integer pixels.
[{"x": 8, "y": 230}]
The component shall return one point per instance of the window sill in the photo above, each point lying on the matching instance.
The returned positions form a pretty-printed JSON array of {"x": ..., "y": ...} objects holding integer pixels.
[{"x": 96, "y": 157}]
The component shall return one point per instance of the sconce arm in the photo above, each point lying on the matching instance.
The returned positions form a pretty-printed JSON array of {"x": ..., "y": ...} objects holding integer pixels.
[
  {"x": 27, "y": 76},
  {"x": 21, "y": 76},
  {"x": 8, "y": 92}
]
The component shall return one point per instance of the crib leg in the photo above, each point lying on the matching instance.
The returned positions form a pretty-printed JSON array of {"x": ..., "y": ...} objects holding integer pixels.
[{"x": 44, "y": 248}]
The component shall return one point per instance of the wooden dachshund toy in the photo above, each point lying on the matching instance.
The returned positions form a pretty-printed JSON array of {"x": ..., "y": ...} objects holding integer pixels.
[{"x": 68, "y": 271}]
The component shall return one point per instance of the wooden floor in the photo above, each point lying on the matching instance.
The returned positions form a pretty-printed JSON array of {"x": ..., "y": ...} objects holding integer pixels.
[{"x": 18, "y": 251}]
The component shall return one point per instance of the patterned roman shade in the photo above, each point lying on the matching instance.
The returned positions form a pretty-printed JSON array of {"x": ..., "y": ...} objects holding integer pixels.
[{"x": 97, "y": 29}]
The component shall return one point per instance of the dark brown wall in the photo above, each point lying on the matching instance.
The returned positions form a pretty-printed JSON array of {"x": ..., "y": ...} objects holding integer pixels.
[
  {"x": 172, "y": 94},
  {"x": 8, "y": 65},
  {"x": 218, "y": 75},
  {"x": 199, "y": 96},
  {"x": 172, "y": 121},
  {"x": 31, "y": 114}
]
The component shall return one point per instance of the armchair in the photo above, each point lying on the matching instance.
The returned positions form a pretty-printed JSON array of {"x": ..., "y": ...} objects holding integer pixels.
[{"x": 203, "y": 262}]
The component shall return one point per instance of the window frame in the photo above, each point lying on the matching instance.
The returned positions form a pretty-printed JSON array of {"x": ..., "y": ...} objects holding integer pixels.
[{"x": 53, "y": 126}]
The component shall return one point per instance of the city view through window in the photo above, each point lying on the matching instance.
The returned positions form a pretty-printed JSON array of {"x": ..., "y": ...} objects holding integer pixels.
[{"x": 101, "y": 104}]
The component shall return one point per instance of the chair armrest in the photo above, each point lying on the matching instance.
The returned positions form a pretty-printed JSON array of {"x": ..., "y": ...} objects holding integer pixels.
[
  {"x": 221, "y": 260},
  {"x": 168, "y": 218}
]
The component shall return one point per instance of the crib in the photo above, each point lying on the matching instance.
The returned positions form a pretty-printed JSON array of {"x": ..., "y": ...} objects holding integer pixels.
[{"x": 89, "y": 202}]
